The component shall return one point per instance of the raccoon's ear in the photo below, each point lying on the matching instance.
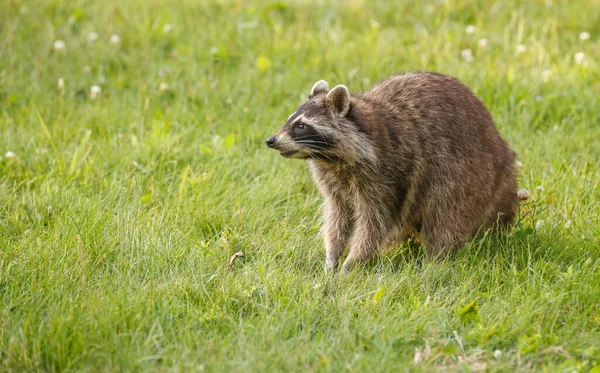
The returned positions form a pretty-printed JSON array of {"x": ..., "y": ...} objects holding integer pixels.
[
  {"x": 339, "y": 99},
  {"x": 320, "y": 87}
]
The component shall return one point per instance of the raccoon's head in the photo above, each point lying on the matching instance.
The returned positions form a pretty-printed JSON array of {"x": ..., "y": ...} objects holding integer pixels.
[{"x": 316, "y": 129}]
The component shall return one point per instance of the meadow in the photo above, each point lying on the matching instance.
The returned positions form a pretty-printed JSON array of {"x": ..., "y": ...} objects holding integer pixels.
[{"x": 133, "y": 166}]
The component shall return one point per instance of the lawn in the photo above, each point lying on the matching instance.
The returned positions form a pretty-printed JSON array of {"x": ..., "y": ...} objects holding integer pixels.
[{"x": 133, "y": 166}]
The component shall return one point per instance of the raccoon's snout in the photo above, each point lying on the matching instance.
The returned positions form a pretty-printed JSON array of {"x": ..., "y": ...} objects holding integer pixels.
[{"x": 270, "y": 141}]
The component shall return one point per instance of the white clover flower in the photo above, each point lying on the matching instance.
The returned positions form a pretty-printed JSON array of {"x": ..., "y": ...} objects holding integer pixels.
[
  {"x": 546, "y": 75},
  {"x": 115, "y": 39},
  {"x": 10, "y": 155},
  {"x": 165, "y": 71},
  {"x": 497, "y": 354},
  {"x": 568, "y": 224},
  {"x": 579, "y": 58},
  {"x": 584, "y": 36},
  {"x": 523, "y": 194},
  {"x": 95, "y": 92},
  {"x": 540, "y": 188},
  {"x": 418, "y": 356},
  {"x": 520, "y": 49},
  {"x": 555, "y": 128},
  {"x": 538, "y": 98},
  {"x": 61, "y": 84},
  {"x": 470, "y": 29},
  {"x": 518, "y": 164},
  {"x": 539, "y": 224},
  {"x": 163, "y": 87},
  {"x": 482, "y": 43},
  {"x": 86, "y": 69},
  {"x": 167, "y": 28},
  {"x": 467, "y": 55},
  {"x": 60, "y": 46},
  {"x": 92, "y": 36}
]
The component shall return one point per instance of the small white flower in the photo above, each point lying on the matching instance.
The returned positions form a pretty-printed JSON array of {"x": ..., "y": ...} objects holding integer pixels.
[
  {"x": 470, "y": 29},
  {"x": 568, "y": 224},
  {"x": 523, "y": 194},
  {"x": 167, "y": 28},
  {"x": 518, "y": 164},
  {"x": 467, "y": 55},
  {"x": 540, "y": 188},
  {"x": 418, "y": 356},
  {"x": 115, "y": 39},
  {"x": 555, "y": 128},
  {"x": 584, "y": 36},
  {"x": 95, "y": 92},
  {"x": 579, "y": 58},
  {"x": 163, "y": 87},
  {"x": 10, "y": 155},
  {"x": 539, "y": 224},
  {"x": 86, "y": 69},
  {"x": 61, "y": 84},
  {"x": 163, "y": 72},
  {"x": 521, "y": 49},
  {"x": 546, "y": 75},
  {"x": 482, "y": 43},
  {"x": 538, "y": 98},
  {"x": 60, "y": 46},
  {"x": 497, "y": 354},
  {"x": 92, "y": 36}
]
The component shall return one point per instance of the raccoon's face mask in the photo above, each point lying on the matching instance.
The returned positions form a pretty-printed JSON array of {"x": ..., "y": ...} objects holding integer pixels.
[{"x": 307, "y": 133}]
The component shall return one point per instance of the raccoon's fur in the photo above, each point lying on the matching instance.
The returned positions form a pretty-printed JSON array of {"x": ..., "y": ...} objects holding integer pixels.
[{"x": 418, "y": 156}]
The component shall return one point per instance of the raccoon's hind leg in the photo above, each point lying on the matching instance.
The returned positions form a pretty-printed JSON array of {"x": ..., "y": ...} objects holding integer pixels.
[
  {"x": 337, "y": 229},
  {"x": 505, "y": 208},
  {"x": 443, "y": 236}
]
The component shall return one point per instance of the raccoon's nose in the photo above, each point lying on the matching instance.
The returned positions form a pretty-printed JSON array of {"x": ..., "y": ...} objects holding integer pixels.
[{"x": 270, "y": 141}]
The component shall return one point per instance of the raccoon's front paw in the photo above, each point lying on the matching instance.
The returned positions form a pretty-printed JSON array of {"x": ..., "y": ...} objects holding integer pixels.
[
  {"x": 331, "y": 266},
  {"x": 349, "y": 264}
]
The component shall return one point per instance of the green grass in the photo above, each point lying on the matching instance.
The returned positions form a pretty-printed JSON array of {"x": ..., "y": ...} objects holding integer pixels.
[{"x": 118, "y": 215}]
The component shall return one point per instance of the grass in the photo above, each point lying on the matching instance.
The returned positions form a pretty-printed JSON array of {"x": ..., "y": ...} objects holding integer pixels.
[{"x": 118, "y": 214}]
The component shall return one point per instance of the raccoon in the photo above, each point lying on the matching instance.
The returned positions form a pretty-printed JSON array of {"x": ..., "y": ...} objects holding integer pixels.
[{"x": 417, "y": 156}]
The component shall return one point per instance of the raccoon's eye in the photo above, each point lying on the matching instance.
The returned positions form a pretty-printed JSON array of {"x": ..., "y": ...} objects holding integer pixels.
[{"x": 300, "y": 126}]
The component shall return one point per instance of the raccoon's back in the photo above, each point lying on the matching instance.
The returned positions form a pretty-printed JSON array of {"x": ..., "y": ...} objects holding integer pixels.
[
  {"x": 448, "y": 116},
  {"x": 427, "y": 94}
]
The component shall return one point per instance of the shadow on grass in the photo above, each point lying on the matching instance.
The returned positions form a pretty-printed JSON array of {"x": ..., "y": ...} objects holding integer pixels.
[{"x": 518, "y": 248}]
